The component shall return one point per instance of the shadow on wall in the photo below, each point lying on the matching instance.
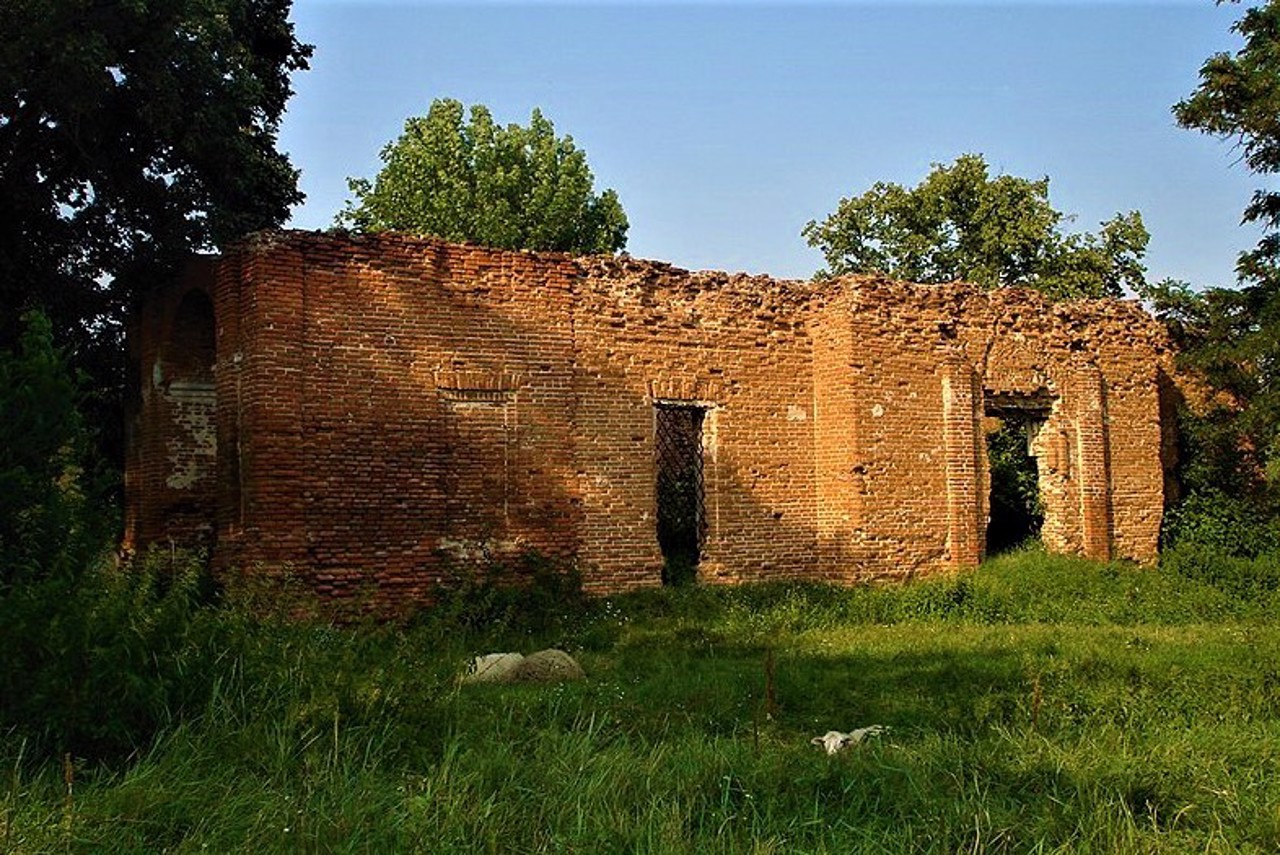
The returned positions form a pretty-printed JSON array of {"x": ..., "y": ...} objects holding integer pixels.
[
  {"x": 172, "y": 454},
  {"x": 427, "y": 410},
  {"x": 392, "y": 412}
]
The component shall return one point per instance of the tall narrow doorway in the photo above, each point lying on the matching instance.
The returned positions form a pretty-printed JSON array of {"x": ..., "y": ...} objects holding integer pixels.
[
  {"x": 681, "y": 495},
  {"x": 1016, "y": 509}
]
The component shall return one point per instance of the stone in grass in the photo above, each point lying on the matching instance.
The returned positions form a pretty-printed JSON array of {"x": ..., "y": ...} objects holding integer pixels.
[
  {"x": 833, "y": 741},
  {"x": 547, "y": 666},
  {"x": 492, "y": 668}
]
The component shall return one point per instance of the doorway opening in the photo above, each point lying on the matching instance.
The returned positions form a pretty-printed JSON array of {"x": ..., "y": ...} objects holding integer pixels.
[
  {"x": 1016, "y": 509},
  {"x": 681, "y": 494}
]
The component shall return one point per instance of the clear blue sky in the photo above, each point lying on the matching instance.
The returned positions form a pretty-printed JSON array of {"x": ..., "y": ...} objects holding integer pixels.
[{"x": 726, "y": 127}]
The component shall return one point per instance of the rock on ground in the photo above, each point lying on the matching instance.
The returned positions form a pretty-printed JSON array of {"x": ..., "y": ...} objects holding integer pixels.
[
  {"x": 492, "y": 668},
  {"x": 545, "y": 666},
  {"x": 548, "y": 666}
]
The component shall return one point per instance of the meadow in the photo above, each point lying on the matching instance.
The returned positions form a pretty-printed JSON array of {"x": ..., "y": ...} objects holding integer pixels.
[{"x": 1039, "y": 704}]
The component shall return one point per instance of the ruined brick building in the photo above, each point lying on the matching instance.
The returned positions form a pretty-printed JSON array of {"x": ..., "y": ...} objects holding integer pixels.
[{"x": 373, "y": 413}]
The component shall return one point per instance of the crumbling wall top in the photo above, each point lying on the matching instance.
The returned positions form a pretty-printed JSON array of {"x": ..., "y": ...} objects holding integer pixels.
[{"x": 1088, "y": 321}]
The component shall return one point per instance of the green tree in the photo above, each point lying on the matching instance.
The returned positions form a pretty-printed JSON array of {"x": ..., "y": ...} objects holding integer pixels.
[
  {"x": 95, "y": 662},
  {"x": 1231, "y": 337},
  {"x": 50, "y": 522},
  {"x": 132, "y": 133},
  {"x": 1239, "y": 98},
  {"x": 466, "y": 179},
  {"x": 960, "y": 223}
]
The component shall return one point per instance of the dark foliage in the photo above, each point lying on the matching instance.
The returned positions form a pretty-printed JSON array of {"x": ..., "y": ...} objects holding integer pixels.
[
  {"x": 53, "y": 522},
  {"x": 528, "y": 595},
  {"x": 95, "y": 659},
  {"x": 132, "y": 133},
  {"x": 1230, "y": 338},
  {"x": 98, "y": 664},
  {"x": 1016, "y": 513}
]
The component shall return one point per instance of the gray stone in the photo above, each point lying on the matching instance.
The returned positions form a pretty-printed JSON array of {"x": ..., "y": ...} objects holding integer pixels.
[
  {"x": 548, "y": 666},
  {"x": 493, "y": 668}
]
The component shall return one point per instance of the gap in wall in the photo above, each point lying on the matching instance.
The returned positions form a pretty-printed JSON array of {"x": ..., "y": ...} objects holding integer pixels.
[{"x": 1016, "y": 508}]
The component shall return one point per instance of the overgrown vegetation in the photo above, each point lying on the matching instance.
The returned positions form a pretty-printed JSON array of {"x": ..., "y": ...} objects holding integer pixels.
[
  {"x": 52, "y": 524},
  {"x": 1228, "y": 338},
  {"x": 1016, "y": 513},
  {"x": 1040, "y": 704}
]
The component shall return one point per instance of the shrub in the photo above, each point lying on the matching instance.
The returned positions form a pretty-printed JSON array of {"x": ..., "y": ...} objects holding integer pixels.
[
  {"x": 1247, "y": 580},
  {"x": 52, "y": 519},
  {"x": 1229, "y": 525},
  {"x": 97, "y": 664},
  {"x": 533, "y": 595}
]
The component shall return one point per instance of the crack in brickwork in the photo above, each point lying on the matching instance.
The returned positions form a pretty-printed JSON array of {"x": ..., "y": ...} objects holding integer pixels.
[{"x": 393, "y": 410}]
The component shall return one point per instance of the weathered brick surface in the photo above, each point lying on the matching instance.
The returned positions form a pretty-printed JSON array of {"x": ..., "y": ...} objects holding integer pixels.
[
  {"x": 391, "y": 409},
  {"x": 170, "y": 465}
]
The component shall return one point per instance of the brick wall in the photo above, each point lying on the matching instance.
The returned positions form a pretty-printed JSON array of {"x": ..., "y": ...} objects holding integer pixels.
[
  {"x": 646, "y": 333},
  {"x": 390, "y": 411},
  {"x": 170, "y": 465}
]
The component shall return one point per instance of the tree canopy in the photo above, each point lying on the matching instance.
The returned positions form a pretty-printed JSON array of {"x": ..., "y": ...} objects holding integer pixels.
[
  {"x": 1231, "y": 336},
  {"x": 1239, "y": 98},
  {"x": 132, "y": 133},
  {"x": 469, "y": 179},
  {"x": 960, "y": 223}
]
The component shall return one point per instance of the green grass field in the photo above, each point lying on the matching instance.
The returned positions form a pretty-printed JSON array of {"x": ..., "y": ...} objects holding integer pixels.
[{"x": 1038, "y": 705}]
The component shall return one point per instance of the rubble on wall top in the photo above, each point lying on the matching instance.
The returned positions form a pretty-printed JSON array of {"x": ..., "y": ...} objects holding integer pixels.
[
  {"x": 861, "y": 292},
  {"x": 268, "y": 239}
]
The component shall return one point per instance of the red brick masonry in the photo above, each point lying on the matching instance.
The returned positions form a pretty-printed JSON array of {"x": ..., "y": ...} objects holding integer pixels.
[{"x": 375, "y": 412}]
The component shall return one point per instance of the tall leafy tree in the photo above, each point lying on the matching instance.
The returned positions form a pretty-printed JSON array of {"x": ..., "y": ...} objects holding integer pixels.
[
  {"x": 131, "y": 133},
  {"x": 1239, "y": 99},
  {"x": 961, "y": 223},
  {"x": 468, "y": 179},
  {"x": 49, "y": 525},
  {"x": 1231, "y": 337}
]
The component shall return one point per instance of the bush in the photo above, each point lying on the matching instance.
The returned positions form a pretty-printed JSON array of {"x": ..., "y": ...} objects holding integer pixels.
[
  {"x": 1246, "y": 579},
  {"x": 52, "y": 519},
  {"x": 533, "y": 595},
  {"x": 1228, "y": 525},
  {"x": 96, "y": 665},
  {"x": 96, "y": 659}
]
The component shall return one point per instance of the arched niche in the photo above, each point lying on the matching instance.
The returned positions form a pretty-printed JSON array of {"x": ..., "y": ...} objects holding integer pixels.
[{"x": 189, "y": 350}]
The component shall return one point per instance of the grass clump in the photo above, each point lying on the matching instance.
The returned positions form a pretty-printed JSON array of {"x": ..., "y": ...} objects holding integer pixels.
[{"x": 1040, "y": 704}]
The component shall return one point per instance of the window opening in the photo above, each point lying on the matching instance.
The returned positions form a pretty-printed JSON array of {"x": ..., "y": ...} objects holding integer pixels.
[{"x": 681, "y": 494}]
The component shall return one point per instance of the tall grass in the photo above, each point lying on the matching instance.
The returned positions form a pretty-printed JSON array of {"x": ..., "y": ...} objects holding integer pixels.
[{"x": 1040, "y": 704}]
